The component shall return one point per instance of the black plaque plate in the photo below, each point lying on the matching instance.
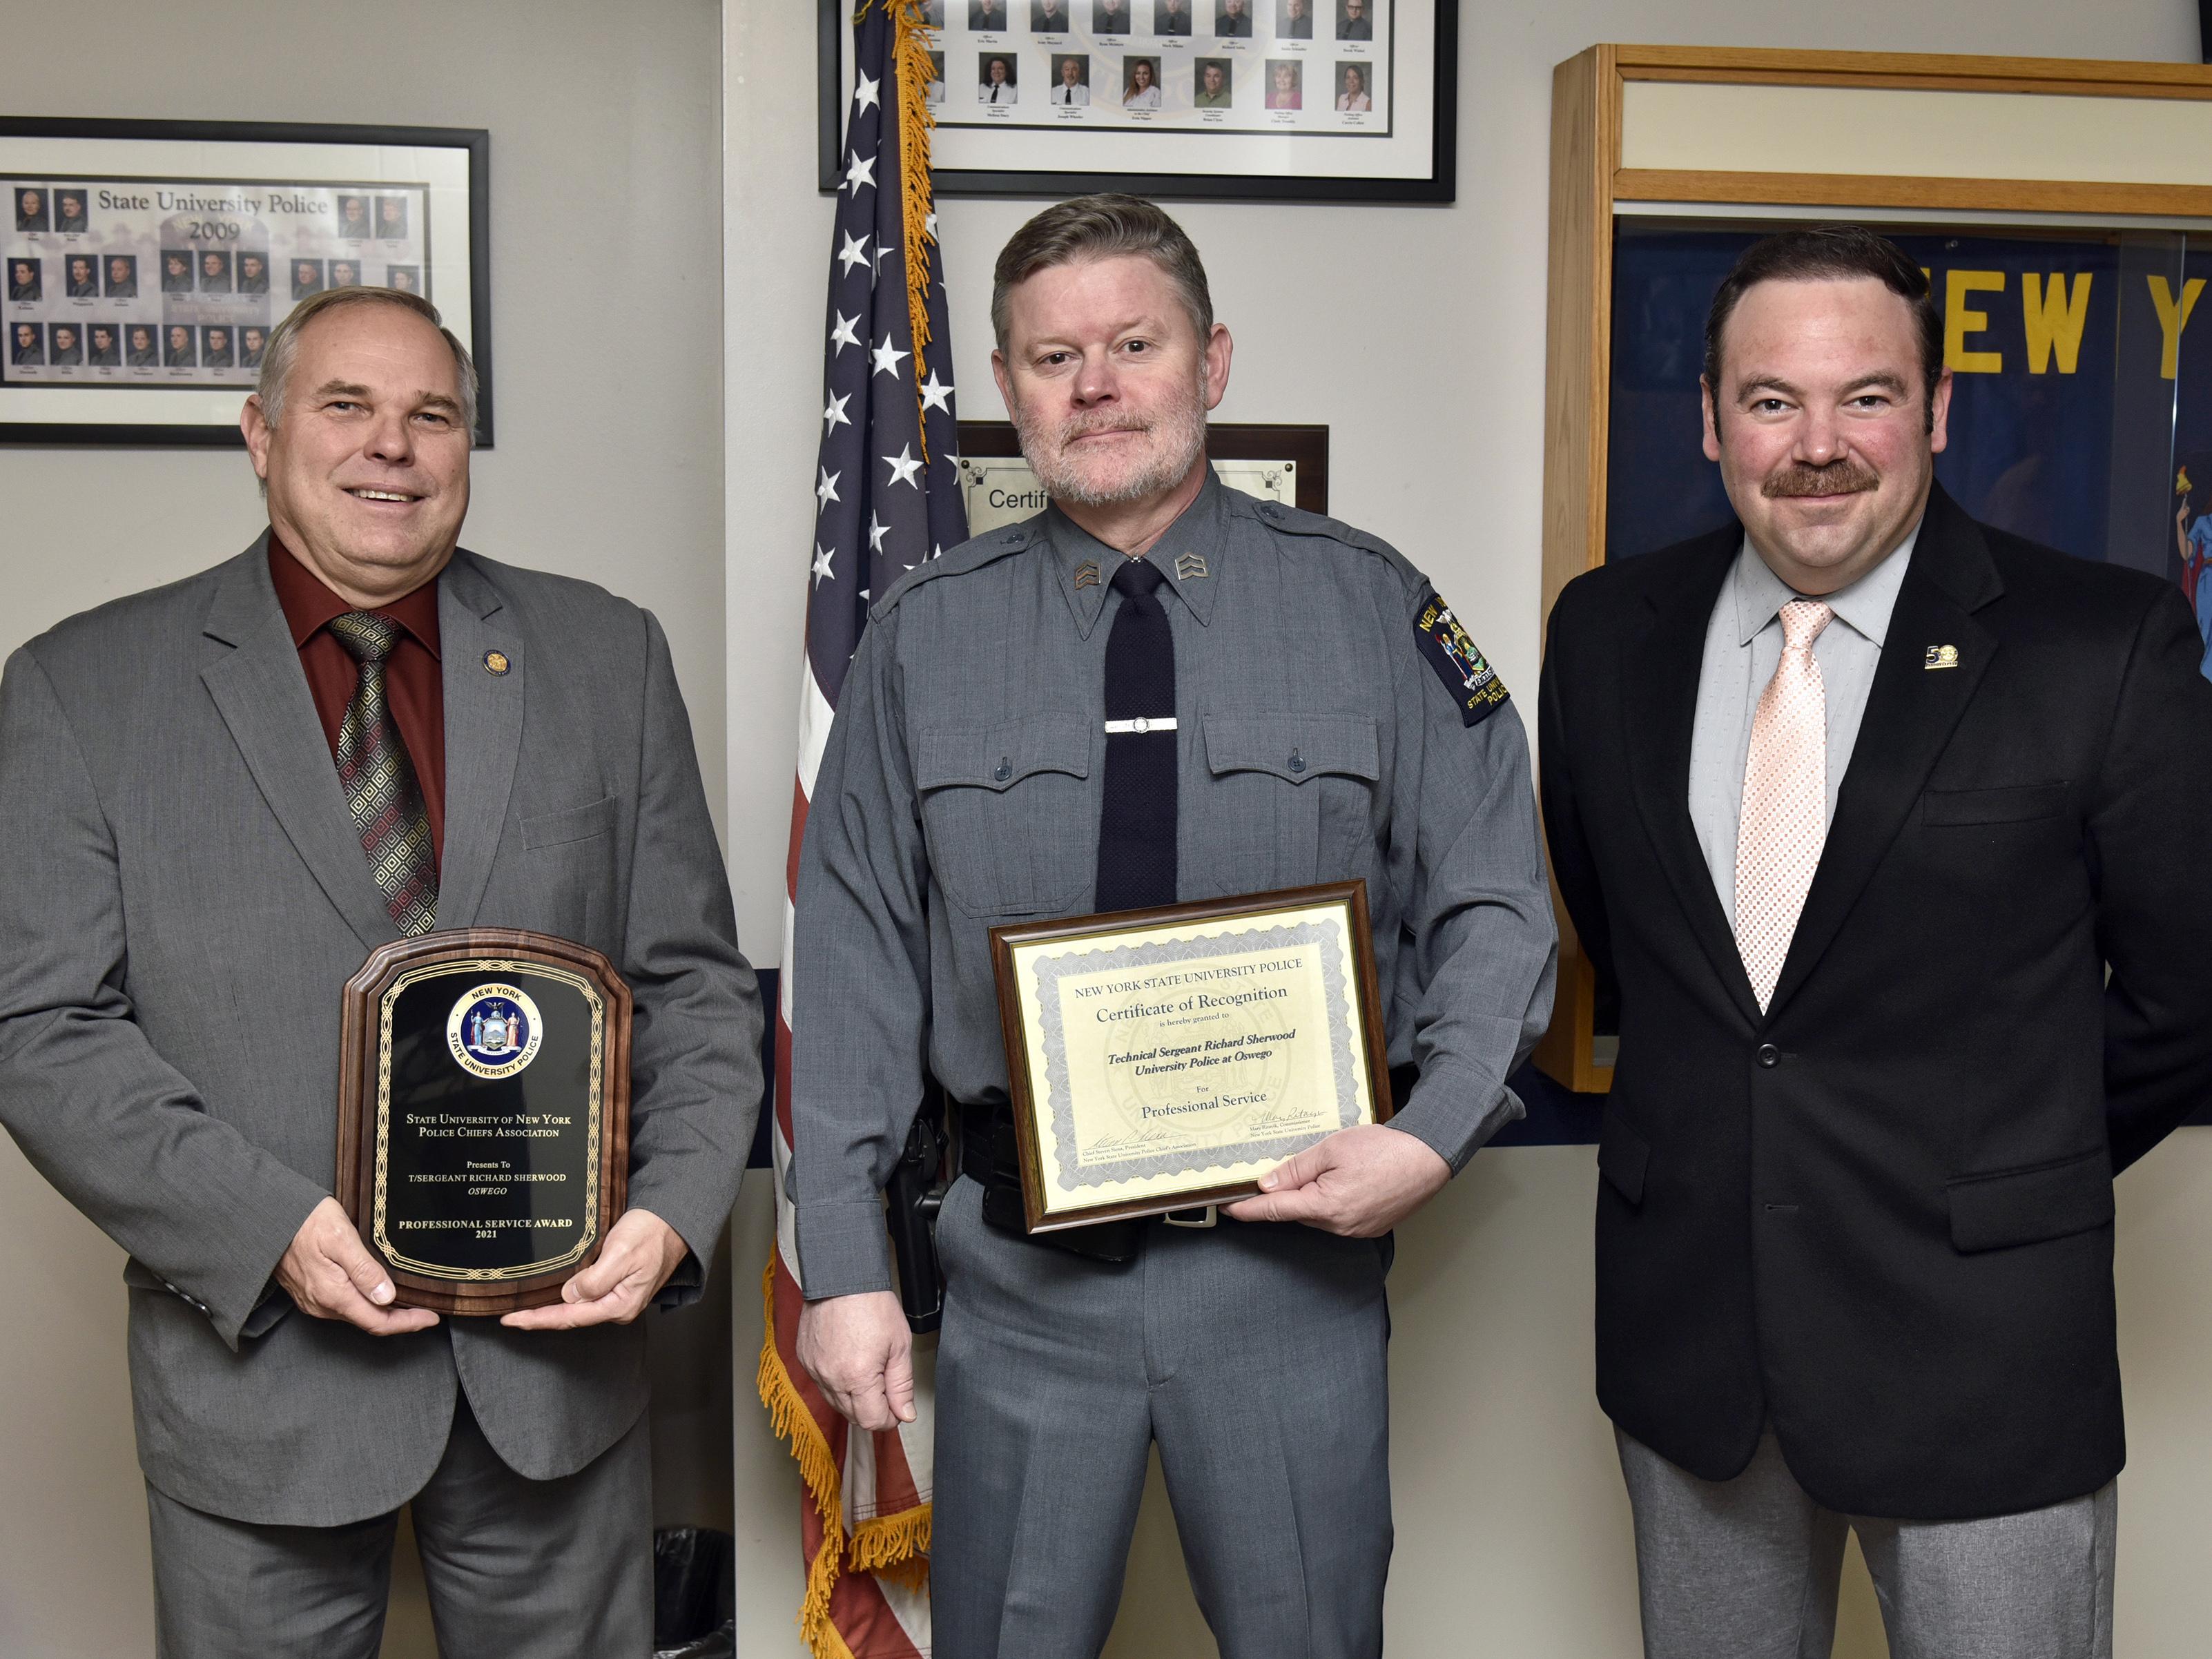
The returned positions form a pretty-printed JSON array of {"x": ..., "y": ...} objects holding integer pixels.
[{"x": 484, "y": 1114}]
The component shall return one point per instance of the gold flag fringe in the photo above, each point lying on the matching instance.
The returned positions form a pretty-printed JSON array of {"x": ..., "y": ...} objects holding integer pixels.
[
  {"x": 910, "y": 49},
  {"x": 893, "y": 1546}
]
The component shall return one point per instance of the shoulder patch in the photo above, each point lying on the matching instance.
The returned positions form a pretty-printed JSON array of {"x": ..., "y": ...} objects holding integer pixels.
[{"x": 1467, "y": 676}]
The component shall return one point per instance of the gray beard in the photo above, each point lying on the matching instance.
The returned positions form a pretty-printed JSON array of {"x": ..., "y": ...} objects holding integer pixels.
[{"x": 1184, "y": 427}]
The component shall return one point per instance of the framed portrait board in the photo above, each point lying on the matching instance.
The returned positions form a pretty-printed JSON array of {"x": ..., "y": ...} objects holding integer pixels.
[
  {"x": 2062, "y": 210},
  {"x": 1293, "y": 101},
  {"x": 1287, "y": 464},
  {"x": 146, "y": 261}
]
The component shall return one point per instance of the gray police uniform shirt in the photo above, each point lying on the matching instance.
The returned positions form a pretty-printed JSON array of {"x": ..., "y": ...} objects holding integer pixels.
[{"x": 1319, "y": 738}]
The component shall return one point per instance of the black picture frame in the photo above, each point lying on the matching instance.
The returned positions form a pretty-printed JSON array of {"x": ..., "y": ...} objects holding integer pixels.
[
  {"x": 476, "y": 141},
  {"x": 833, "y": 23}
]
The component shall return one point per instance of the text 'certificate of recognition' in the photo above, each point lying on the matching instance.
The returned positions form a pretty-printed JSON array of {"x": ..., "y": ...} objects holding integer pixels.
[{"x": 1164, "y": 1058}]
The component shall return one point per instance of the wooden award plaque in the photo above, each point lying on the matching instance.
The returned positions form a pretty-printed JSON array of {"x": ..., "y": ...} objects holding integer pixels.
[{"x": 484, "y": 1114}]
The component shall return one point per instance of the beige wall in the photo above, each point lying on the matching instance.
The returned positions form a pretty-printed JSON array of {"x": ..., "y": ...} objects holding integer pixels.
[
  {"x": 1417, "y": 334},
  {"x": 607, "y": 466}
]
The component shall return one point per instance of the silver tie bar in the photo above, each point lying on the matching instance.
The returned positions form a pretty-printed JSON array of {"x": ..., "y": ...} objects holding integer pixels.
[{"x": 1140, "y": 726}]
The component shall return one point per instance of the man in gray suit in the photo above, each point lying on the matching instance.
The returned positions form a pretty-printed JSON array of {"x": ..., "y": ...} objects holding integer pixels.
[
  {"x": 190, "y": 884},
  {"x": 1316, "y": 716}
]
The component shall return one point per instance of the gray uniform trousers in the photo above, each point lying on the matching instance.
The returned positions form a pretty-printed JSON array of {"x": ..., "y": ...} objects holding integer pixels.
[
  {"x": 1748, "y": 1569},
  {"x": 1253, "y": 1353},
  {"x": 515, "y": 1568}
]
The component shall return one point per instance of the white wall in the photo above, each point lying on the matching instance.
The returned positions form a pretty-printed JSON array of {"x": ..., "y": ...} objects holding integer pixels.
[
  {"x": 607, "y": 466},
  {"x": 1417, "y": 334}
]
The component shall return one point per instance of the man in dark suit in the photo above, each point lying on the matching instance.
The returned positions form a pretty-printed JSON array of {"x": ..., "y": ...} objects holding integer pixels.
[
  {"x": 102, "y": 349},
  {"x": 1854, "y": 802},
  {"x": 191, "y": 879},
  {"x": 143, "y": 353},
  {"x": 68, "y": 347},
  {"x": 23, "y": 279},
  {"x": 83, "y": 277},
  {"x": 1294, "y": 21},
  {"x": 987, "y": 16},
  {"x": 30, "y": 345},
  {"x": 1352, "y": 22},
  {"x": 68, "y": 210},
  {"x": 1232, "y": 20},
  {"x": 1171, "y": 17},
  {"x": 122, "y": 277}
]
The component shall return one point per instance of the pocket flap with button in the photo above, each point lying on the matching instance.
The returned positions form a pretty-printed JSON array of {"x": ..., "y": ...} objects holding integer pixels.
[
  {"x": 2025, "y": 1206},
  {"x": 2011, "y": 804},
  {"x": 1001, "y": 756},
  {"x": 1293, "y": 747}
]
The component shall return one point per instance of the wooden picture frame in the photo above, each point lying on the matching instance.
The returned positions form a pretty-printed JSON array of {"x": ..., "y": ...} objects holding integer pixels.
[
  {"x": 1896, "y": 139},
  {"x": 1364, "y": 1001}
]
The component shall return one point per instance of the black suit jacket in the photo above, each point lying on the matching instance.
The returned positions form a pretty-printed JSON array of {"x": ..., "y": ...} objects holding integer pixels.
[{"x": 1880, "y": 1215}]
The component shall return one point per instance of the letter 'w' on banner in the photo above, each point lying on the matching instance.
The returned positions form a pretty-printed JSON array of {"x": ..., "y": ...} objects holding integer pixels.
[{"x": 887, "y": 497}]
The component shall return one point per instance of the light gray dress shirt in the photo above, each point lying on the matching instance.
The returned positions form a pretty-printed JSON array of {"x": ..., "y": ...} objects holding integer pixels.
[{"x": 1743, "y": 647}]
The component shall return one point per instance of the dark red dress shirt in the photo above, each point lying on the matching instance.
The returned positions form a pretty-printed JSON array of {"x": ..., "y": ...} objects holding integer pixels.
[{"x": 411, "y": 682}]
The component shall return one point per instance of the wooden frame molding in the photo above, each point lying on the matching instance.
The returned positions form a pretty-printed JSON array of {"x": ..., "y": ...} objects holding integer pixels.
[{"x": 1589, "y": 185}]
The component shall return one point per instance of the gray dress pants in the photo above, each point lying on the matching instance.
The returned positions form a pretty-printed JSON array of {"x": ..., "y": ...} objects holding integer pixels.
[
  {"x": 1252, "y": 1354},
  {"x": 1748, "y": 1569},
  {"x": 515, "y": 1569}
]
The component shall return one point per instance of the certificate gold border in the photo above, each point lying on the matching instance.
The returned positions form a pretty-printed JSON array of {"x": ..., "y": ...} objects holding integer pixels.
[{"x": 1361, "y": 1042}]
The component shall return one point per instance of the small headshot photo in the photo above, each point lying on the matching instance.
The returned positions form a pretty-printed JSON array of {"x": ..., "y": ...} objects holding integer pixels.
[
  {"x": 987, "y": 15},
  {"x": 1232, "y": 19},
  {"x": 392, "y": 218},
  {"x": 344, "y": 273},
  {"x": 214, "y": 271},
  {"x": 1110, "y": 17},
  {"x": 103, "y": 346},
  {"x": 69, "y": 346},
  {"x": 68, "y": 210},
  {"x": 1353, "y": 21},
  {"x": 139, "y": 350},
  {"x": 83, "y": 277},
  {"x": 1284, "y": 91},
  {"x": 933, "y": 14},
  {"x": 1050, "y": 17},
  {"x": 252, "y": 341},
  {"x": 995, "y": 79},
  {"x": 26, "y": 343},
  {"x": 252, "y": 272},
  {"x": 31, "y": 211},
  {"x": 1212, "y": 82},
  {"x": 1071, "y": 79},
  {"x": 121, "y": 275},
  {"x": 176, "y": 271},
  {"x": 215, "y": 346},
  {"x": 1140, "y": 83},
  {"x": 1351, "y": 88},
  {"x": 1294, "y": 19},
  {"x": 180, "y": 348},
  {"x": 933, "y": 91},
  {"x": 1171, "y": 16},
  {"x": 404, "y": 279},
  {"x": 24, "y": 278},
  {"x": 353, "y": 216},
  {"x": 307, "y": 277}
]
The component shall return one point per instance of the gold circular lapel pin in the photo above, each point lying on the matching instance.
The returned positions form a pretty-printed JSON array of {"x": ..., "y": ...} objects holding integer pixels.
[{"x": 496, "y": 662}]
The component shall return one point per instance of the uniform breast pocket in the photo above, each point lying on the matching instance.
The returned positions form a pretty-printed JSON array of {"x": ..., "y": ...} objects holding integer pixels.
[
  {"x": 1291, "y": 793},
  {"x": 1006, "y": 812}
]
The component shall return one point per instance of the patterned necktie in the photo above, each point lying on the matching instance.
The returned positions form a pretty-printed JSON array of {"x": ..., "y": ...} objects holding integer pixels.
[
  {"x": 1137, "y": 820},
  {"x": 1785, "y": 822},
  {"x": 381, "y": 790}
]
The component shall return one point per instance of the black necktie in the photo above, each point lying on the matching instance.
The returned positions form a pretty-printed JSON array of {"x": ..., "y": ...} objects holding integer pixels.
[
  {"x": 1137, "y": 822},
  {"x": 378, "y": 775}
]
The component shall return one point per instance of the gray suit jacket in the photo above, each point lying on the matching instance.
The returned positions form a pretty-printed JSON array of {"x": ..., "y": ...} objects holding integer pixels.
[{"x": 185, "y": 897}]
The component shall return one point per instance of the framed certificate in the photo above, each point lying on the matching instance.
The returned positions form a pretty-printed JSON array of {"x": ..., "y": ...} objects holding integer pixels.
[
  {"x": 484, "y": 1114},
  {"x": 1163, "y": 1059},
  {"x": 148, "y": 262}
]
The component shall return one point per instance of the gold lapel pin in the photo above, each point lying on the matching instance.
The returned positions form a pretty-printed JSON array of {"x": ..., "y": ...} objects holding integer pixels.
[
  {"x": 1086, "y": 575},
  {"x": 496, "y": 662},
  {"x": 1189, "y": 566},
  {"x": 1941, "y": 656}
]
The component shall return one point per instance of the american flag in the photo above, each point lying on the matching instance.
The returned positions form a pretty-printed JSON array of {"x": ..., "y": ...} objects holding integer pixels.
[{"x": 887, "y": 497}]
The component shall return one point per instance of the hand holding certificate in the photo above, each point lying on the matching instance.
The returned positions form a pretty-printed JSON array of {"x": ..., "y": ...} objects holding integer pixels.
[{"x": 1162, "y": 1059}]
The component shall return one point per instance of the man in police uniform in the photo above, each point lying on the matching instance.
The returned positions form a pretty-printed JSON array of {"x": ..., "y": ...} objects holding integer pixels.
[{"x": 1331, "y": 721}]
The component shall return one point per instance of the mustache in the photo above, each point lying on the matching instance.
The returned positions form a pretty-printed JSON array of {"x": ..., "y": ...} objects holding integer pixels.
[
  {"x": 1087, "y": 426},
  {"x": 1841, "y": 476}
]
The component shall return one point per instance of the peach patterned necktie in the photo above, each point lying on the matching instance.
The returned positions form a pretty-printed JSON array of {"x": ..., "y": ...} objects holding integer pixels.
[{"x": 1784, "y": 821}]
